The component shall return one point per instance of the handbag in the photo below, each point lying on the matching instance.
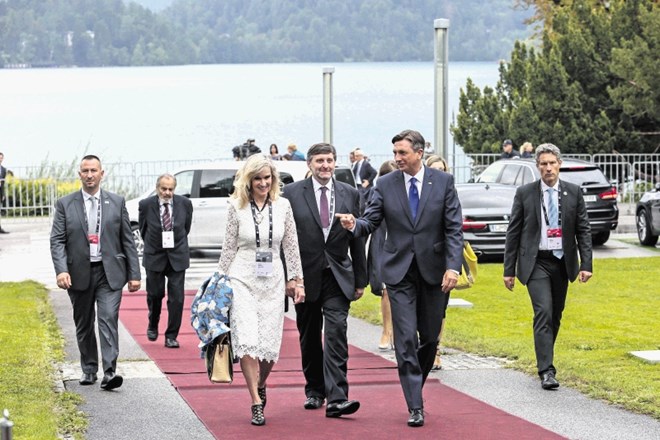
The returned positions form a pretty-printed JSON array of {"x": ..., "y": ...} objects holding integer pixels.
[
  {"x": 220, "y": 360},
  {"x": 469, "y": 268}
]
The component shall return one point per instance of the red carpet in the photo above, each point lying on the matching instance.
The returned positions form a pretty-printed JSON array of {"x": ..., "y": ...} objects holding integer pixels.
[{"x": 225, "y": 409}]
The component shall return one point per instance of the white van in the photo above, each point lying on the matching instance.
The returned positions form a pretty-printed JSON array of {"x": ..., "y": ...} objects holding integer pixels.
[{"x": 208, "y": 186}]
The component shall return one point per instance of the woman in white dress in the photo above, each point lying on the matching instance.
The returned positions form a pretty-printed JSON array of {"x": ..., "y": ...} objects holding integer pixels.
[{"x": 259, "y": 224}]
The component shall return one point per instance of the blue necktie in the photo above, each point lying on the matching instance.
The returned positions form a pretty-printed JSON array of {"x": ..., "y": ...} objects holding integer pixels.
[
  {"x": 553, "y": 217},
  {"x": 413, "y": 197}
]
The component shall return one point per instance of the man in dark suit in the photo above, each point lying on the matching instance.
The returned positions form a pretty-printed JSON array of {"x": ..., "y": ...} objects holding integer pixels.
[
  {"x": 421, "y": 257},
  {"x": 3, "y": 176},
  {"x": 332, "y": 279},
  {"x": 365, "y": 174},
  {"x": 548, "y": 226},
  {"x": 94, "y": 255},
  {"x": 165, "y": 220}
]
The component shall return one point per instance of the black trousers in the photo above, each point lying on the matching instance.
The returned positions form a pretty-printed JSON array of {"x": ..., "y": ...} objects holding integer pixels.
[
  {"x": 417, "y": 312},
  {"x": 99, "y": 299},
  {"x": 547, "y": 287},
  {"x": 175, "y": 296},
  {"x": 323, "y": 341}
]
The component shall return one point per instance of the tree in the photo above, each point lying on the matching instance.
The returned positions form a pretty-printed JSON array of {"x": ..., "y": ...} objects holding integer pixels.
[{"x": 591, "y": 87}]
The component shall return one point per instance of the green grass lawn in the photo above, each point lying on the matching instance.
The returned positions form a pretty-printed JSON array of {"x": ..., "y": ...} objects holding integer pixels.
[
  {"x": 30, "y": 346},
  {"x": 614, "y": 313}
]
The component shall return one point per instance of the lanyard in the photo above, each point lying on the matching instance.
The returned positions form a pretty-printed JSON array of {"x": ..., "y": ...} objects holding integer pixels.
[
  {"x": 545, "y": 211},
  {"x": 257, "y": 217}
]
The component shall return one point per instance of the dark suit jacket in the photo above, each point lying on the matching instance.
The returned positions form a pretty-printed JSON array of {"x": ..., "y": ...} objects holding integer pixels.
[
  {"x": 155, "y": 258},
  {"x": 524, "y": 232},
  {"x": 3, "y": 175},
  {"x": 315, "y": 254},
  {"x": 435, "y": 238},
  {"x": 69, "y": 246},
  {"x": 368, "y": 172}
]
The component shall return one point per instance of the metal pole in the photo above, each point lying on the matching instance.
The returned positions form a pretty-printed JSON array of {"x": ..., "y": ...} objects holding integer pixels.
[
  {"x": 441, "y": 26},
  {"x": 327, "y": 104},
  {"x": 6, "y": 426}
]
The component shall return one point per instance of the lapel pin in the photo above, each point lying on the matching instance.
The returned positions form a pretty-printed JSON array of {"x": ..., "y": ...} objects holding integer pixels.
[
  {"x": 106, "y": 202},
  {"x": 565, "y": 193}
]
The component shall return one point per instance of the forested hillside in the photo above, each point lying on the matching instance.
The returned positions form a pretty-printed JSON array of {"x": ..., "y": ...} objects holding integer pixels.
[{"x": 119, "y": 33}]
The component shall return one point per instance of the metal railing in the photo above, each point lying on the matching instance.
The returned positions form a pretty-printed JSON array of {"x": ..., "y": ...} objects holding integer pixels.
[{"x": 35, "y": 189}]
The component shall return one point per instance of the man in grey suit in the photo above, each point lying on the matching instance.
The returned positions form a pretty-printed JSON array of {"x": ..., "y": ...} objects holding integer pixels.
[
  {"x": 94, "y": 255},
  {"x": 332, "y": 279},
  {"x": 165, "y": 220},
  {"x": 421, "y": 257},
  {"x": 549, "y": 225}
]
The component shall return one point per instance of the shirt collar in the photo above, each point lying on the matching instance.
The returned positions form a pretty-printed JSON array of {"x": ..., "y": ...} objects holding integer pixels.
[
  {"x": 87, "y": 196},
  {"x": 317, "y": 185},
  {"x": 544, "y": 187},
  {"x": 419, "y": 176}
]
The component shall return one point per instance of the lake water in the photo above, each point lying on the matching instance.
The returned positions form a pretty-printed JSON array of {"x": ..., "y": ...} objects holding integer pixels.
[{"x": 193, "y": 112}]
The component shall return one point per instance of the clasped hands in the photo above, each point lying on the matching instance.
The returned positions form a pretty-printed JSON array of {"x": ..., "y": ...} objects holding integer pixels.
[{"x": 347, "y": 220}]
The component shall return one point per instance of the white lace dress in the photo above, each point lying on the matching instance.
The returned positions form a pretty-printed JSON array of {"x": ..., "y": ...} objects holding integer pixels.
[{"x": 257, "y": 310}]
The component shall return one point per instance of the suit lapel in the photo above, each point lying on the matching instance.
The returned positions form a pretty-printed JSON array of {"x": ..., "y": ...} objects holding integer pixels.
[
  {"x": 79, "y": 206},
  {"x": 310, "y": 198},
  {"x": 427, "y": 187},
  {"x": 400, "y": 191}
]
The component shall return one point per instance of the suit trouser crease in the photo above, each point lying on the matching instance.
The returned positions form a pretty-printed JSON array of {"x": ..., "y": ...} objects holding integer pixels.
[
  {"x": 325, "y": 364},
  {"x": 98, "y": 303},
  {"x": 547, "y": 287},
  {"x": 175, "y": 298},
  {"x": 417, "y": 309}
]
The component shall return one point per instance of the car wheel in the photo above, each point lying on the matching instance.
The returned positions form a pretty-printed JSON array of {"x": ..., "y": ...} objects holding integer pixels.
[
  {"x": 137, "y": 238},
  {"x": 600, "y": 238},
  {"x": 644, "y": 232}
]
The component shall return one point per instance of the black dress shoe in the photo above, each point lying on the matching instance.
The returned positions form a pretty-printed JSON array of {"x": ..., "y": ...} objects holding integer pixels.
[
  {"x": 338, "y": 409},
  {"x": 416, "y": 418},
  {"x": 2, "y": 231},
  {"x": 548, "y": 381},
  {"x": 88, "y": 379},
  {"x": 111, "y": 381},
  {"x": 152, "y": 334},
  {"x": 171, "y": 343},
  {"x": 313, "y": 402}
]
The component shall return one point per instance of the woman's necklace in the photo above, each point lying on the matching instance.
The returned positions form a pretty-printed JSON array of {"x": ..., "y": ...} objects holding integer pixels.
[{"x": 258, "y": 216}]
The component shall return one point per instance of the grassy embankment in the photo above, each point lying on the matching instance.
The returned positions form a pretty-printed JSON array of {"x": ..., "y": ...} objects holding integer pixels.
[
  {"x": 30, "y": 346},
  {"x": 614, "y": 313}
]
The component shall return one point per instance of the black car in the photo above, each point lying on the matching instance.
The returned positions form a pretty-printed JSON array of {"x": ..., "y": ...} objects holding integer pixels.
[
  {"x": 486, "y": 211},
  {"x": 599, "y": 194},
  {"x": 647, "y": 215}
]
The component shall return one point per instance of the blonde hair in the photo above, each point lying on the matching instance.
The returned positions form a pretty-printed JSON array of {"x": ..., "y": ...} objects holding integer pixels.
[
  {"x": 254, "y": 165},
  {"x": 524, "y": 146},
  {"x": 434, "y": 158}
]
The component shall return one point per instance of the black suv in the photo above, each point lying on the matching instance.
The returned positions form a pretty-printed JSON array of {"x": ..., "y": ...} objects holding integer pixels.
[
  {"x": 599, "y": 194},
  {"x": 647, "y": 215}
]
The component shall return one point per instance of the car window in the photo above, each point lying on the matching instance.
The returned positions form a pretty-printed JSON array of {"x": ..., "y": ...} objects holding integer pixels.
[
  {"x": 286, "y": 178},
  {"x": 345, "y": 175},
  {"x": 184, "y": 181},
  {"x": 526, "y": 176},
  {"x": 509, "y": 174},
  {"x": 491, "y": 173},
  {"x": 580, "y": 176},
  {"x": 216, "y": 183}
]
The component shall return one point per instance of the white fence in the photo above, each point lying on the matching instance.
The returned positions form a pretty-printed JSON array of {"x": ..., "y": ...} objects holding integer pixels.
[{"x": 26, "y": 197}]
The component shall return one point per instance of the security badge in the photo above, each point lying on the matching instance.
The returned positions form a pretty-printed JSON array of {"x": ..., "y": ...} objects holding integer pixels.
[
  {"x": 554, "y": 238},
  {"x": 93, "y": 244},
  {"x": 168, "y": 239},
  {"x": 263, "y": 264}
]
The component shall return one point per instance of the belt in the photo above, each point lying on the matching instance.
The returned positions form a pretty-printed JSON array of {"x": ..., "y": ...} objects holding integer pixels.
[
  {"x": 546, "y": 255},
  {"x": 96, "y": 263}
]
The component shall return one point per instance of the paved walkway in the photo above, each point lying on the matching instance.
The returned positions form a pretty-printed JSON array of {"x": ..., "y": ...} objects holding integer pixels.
[{"x": 148, "y": 407}]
